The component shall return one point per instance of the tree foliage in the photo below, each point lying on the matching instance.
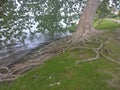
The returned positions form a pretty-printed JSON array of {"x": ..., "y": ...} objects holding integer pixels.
[
  {"x": 106, "y": 7},
  {"x": 17, "y": 16}
]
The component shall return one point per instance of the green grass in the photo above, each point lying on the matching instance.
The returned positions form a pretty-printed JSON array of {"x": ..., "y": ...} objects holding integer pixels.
[
  {"x": 101, "y": 25},
  {"x": 106, "y": 25},
  {"x": 61, "y": 73}
]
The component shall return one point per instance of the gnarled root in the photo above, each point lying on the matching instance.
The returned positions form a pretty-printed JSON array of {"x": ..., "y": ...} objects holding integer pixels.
[
  {"x": 6, "y": 75},
  {"x": 109, "y": 58},
  {"x": 99, "y": 51},
  {"x": 33, "y": 60},
  {"x": 91, "y": 59},
  {"x": 54, "y": 48}
]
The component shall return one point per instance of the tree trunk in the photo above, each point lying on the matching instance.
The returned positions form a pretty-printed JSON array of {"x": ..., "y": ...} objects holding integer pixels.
[{"x": 85, "y": 28}]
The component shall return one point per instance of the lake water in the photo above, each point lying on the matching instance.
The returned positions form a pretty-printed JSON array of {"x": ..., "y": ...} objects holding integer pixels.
[{"x": 15, "y": 52}]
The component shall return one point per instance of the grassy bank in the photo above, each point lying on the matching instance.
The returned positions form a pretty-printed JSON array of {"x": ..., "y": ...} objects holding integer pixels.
[
  {"x": 61, "y": 72},
  {"x": 106, "y": 25},
  {"x": 101, "y": 25}
]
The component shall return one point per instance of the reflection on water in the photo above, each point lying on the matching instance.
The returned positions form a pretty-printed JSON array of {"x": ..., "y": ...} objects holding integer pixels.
[{"x": 15, "y": 52}]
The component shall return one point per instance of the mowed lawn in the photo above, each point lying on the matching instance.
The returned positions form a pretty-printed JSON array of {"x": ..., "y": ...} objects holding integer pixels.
[{"x": 61, "y": 72}]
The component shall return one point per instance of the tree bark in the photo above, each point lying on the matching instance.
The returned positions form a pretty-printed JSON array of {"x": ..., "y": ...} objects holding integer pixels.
[{"x": 85, "y": 28}]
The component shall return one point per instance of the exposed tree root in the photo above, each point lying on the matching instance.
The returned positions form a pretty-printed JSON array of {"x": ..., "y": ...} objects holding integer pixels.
[
  {"x": 90, "y": 59},
  {"x": 100, "y": 51},
  {"x": 109, "y": 58},
  {"x": 33, "y": 60},
  {"x": 55, "y": 48},
  {"x": 24, "y": 68},
  {"x": 6, "y": 75},
  {"x": 96, "y": 50}
]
